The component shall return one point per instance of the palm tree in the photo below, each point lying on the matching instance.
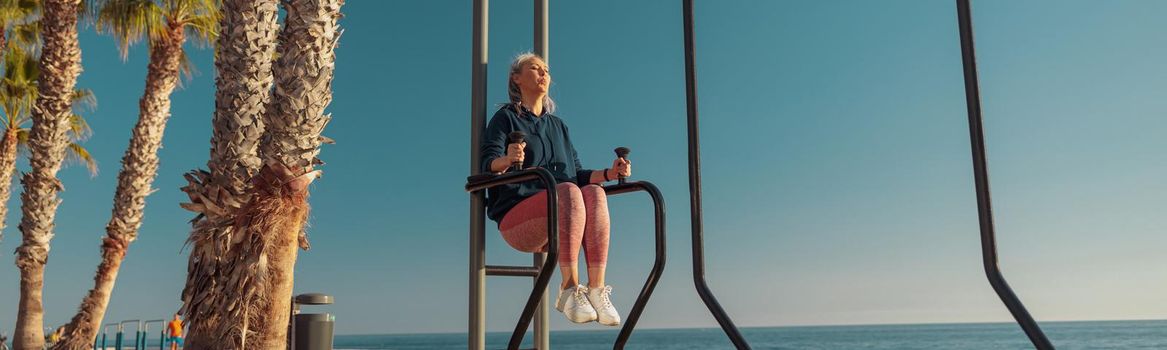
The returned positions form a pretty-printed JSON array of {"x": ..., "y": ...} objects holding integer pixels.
[
  {"x": 165, "y": 24},
  {"x": 240, "y": 275},
  {"x": 295, "y": 119},
  {"x": 244, "y": 50},
  {"x": 17, "y": 93},
  {"x": 60, "y": 64},
  {"x": 18, "y": 20}
]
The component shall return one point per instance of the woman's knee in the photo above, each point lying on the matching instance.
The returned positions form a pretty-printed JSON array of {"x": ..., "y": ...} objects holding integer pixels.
[
  {"x": 570, "y": 193},
  {"x": 592, "y": 192},
  {"x": 593, "y": 196}
]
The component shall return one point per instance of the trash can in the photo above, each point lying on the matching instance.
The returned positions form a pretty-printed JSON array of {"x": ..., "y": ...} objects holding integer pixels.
[{"x": 311, "y": 331}]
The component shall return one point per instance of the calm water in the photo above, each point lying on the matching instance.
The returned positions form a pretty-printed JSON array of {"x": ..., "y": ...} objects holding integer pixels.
[{"x": 1065, "y": 335}]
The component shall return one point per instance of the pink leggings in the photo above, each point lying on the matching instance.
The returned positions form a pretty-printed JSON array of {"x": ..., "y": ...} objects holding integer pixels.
[{"x": 583, "y": 221}]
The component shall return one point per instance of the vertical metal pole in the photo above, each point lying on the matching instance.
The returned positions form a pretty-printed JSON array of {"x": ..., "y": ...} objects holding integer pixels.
[
  {"x": 542, "y": 315},
  {"x": 695, "y": 187},
  {"x": 541, "y": 30},
  {"x": 477, "y": 332},
  {"x": 972, "y": 93},
  {"x": 138, "y": 336}
]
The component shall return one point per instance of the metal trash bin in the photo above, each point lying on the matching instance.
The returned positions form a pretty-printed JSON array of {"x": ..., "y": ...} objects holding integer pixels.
[{"x": 311, "y": 331}]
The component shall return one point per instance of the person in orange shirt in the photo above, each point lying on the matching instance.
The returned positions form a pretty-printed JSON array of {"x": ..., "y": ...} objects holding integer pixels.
[{"x": 174, "y": 333}]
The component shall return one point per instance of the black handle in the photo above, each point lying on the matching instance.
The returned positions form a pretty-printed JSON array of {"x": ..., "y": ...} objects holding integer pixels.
[
  {"x": 516, "y": 137},
  {"x": 622, "y": 152}
]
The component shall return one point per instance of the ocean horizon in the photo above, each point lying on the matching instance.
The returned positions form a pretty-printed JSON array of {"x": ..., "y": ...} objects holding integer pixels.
[{"x": 1133, "y": 334}]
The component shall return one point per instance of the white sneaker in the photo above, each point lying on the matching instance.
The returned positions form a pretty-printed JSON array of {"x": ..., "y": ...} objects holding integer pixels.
[
  {"x": 606, "y": 313},
  {"x": 574, "y": 305},
  {"x": 561, "y": 298}
]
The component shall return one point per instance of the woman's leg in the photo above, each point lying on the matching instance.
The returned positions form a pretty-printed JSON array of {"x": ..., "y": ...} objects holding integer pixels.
[
  {"x": 597, "y": 227},
  {"x": 525, "y": 228}
]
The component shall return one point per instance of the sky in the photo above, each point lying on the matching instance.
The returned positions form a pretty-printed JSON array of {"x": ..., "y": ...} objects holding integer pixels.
[{"x": 836, "y": 163}]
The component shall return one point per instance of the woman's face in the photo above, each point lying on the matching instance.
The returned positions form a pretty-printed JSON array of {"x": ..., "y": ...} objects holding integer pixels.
[{"x": 533, "y": 77}]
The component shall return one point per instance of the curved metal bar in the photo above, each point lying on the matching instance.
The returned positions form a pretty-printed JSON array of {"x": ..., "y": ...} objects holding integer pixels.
[
  {"x": 480, "y": 182},
  {"x": 137, "y": 332},
  {"x": 695, "y": 187},
  {"x": 658, "y": 267},
  {"x": 105, "y": 331},
  {"x": 972, "y": 93},
  {"x": 146, "y": 331}
]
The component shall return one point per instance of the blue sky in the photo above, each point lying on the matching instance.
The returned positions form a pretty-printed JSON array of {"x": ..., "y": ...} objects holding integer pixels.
[{"x": 837, "y": 177}]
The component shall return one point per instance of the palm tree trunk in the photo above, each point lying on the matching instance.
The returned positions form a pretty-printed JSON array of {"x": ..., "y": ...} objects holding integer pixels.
[
  {"x": 7, "y": 166},
  {"x": 246, "y": 44},
  {"x": 60, "y": 65},
  {"x": 295, "y": 120},
  {"x": 139, "y": 168}
]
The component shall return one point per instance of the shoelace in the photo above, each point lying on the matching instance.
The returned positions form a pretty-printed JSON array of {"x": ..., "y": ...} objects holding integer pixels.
[
  {"x": 580, "y": 295},
  {"x": 604, "y": 300}
]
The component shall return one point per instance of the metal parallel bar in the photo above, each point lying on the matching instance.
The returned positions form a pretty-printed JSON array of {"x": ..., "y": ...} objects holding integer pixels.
[
  {"x": 476, "y": 338},
  {"x": 478, "y": 183},
  {"x": 658, "y": 265},
  {"x": 542, "y": 314},
  {"x": 695, "y": 187},
  {"x": 540, "y": 290},
  {"x": 981, "y": 178},
  {"x": 522, "y": 271},
  {"x": 542, "y": 48},
  {"x": 545, "y": 272}
]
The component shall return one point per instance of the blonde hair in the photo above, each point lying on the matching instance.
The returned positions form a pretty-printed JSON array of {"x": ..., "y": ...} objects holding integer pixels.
[{"x": 514, "y": 94}]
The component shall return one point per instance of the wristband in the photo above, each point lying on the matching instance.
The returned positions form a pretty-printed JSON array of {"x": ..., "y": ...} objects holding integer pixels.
[{"x": 606, "y": 175}]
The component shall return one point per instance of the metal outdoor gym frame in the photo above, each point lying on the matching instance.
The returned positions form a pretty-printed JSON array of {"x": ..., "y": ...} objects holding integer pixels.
[
  {"x": 541, "y": 271},
  {"x": 536, "y": 306}
]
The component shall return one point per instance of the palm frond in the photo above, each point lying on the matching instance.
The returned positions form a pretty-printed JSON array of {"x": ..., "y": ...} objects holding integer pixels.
[
  {"x": 202, "y": 21},
  {"x": 17, "y": 11},
  {"x": 26, "y": 36},
  {"x": 186, "y": 68},
  {"x": 22, "y": 141},
  {"x": 79, "y": 128},
  {"x": 84, "y": 99},
  {"x": 128, "y": 21},
  {"x": 79, "y": 154}
]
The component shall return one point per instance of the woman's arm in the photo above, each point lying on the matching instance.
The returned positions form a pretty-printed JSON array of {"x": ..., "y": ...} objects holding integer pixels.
[
  {"x": 602, "y": 176},
  {"x": 497, "y": 155}
]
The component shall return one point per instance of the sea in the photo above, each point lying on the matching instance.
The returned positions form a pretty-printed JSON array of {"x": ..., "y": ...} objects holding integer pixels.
[{"x": 1124, "y": 335}]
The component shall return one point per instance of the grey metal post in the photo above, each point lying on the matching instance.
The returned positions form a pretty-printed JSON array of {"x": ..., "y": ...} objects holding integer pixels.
[
  {"x": 542, "y": 315},
  {"x": 541, "y": 31},
  {"x": 477, "y": 312}
]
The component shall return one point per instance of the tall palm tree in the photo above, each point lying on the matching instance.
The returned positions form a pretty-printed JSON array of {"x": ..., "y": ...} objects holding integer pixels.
[
  {"x": 295, "y": 119},
  {"x": 18, "y": 20},
  {"x": 60, "y": 65},
  {"x": 17, "y": 94},
  {"x": 165, "y": 24},
  {"x": 239, "y": 283},
  {"x": 246, "y": 44}
]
